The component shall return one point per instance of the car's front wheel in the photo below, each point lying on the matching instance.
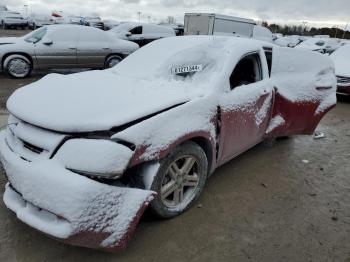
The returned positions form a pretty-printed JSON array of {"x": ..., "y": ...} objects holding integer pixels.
[
  {"x": 179, "y": 180},
  {"x": 18, "y": 66},
  {"x": 112, "y": 61}
]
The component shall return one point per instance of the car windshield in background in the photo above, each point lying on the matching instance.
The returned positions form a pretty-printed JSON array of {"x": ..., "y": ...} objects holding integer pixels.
[
  {"x": 36, "y": 36},
  {"x": 173, "y": 58}
]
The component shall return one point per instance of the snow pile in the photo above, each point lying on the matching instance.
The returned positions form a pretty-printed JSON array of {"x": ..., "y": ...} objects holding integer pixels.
[
  {"x": 94, "y": 156},
  {"x": 87, "y": 205}
]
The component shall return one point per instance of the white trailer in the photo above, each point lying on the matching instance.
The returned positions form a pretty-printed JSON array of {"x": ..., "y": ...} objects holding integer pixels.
[{"x": 215, "y": 24}]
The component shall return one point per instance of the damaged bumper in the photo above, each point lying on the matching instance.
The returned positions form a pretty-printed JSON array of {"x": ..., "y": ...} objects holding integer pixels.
[{"x": 70, "y": 207}]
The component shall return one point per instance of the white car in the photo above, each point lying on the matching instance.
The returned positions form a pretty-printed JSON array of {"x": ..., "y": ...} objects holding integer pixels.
[
  {"x": 142, "y": 34},
  {"x": 109, "y": 24},
  {"x": 36, "y": 21},
  {"x": 341, "y": 59},
  {"x": 9, "y": 19},
  {"x": 321, "y": 45}
]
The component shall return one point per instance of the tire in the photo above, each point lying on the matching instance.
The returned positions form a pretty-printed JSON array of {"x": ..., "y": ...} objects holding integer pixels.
[
  {"x": 173, "y": 196},
  {"x": 112, "y": 61},
  {"x": 17, "y": 66},
  {"x": 34, "y": 27}
]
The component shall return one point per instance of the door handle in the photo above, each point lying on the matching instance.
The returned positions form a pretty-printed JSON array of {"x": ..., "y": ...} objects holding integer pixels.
[
  {"x": 320, "y": 88},
  {"x": 105, "y": 48},
  {"x": 72, "y": 47}
]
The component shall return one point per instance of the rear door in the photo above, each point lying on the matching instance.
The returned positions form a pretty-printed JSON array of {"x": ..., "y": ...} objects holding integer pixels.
[
  {"x": 58, "y": 48},
  {"x": 93, "y": 47},
  {"x": 305, "y": 87}
]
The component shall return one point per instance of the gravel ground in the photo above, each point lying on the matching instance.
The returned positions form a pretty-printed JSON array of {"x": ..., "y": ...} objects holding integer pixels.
[{"x": 285, "y": 200}]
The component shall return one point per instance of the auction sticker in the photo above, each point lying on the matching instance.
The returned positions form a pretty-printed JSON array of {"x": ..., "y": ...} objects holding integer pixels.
[{"x": 187, "y": 69}]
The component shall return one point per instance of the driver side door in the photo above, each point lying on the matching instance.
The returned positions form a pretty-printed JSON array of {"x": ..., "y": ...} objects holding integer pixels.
[
  {"x": 57, "y": 49},
  {"x": 245, "y": 110}
]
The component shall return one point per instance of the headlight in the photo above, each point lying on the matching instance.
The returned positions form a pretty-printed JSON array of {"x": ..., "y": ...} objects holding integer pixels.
[{"x": 95, "y": 157}]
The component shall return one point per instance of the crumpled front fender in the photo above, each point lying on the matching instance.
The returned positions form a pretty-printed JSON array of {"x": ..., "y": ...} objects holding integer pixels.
[{"x": 70, "y": 207}]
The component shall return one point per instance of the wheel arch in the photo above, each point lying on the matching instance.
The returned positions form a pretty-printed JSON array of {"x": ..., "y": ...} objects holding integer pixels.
[{"x": 26, "y": 55}]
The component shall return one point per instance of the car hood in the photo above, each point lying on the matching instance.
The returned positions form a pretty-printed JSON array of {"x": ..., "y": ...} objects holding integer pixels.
[
  {"x": 8, "y": 40},
  {"x": 94, "y": 101}
]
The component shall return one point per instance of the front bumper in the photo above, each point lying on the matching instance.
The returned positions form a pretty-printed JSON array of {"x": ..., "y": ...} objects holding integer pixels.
[{"x": 70, "y": 207}]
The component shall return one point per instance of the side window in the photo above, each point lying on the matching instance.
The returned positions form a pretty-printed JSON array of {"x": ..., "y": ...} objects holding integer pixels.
[
  {"x": 136, "y": 31},
  {"x": 268, "y": 54},
  {"x": 92, "y": 35},
  {"x": 247, "y": 71},
  {"x": 64, "y": 35}
]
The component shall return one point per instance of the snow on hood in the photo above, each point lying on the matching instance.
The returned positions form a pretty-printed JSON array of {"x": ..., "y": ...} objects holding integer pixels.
[
  {"x": 341, "y": 59},
  {"x": 93, "y": 101},
  {"x": 8, "y": 40}
]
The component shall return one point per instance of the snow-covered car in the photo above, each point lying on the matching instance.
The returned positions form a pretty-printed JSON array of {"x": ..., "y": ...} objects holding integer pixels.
[
  {"x": 10, "y": 19},
  {"x": 93, "y": 21},
  {"x": 35, "y": 21},
  {"x": 288, "y": 41},
  {"x": 75, "y": 20},
  {"x": 62, "y": 47},
  {"x": 109, "y": 24},
  {"x": 321, "y": 45},
  {"x": 92, "y": 150},
  {"x": 142, "y": 34},
  {"x": 341, "y": 59}
]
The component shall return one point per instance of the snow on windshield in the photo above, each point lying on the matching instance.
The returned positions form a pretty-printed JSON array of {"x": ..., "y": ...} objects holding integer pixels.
[{"x": 199, "y": 57}]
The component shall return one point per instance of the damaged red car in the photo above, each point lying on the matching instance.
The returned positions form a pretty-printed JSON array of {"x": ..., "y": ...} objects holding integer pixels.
[{"x": 86, "y": 153}]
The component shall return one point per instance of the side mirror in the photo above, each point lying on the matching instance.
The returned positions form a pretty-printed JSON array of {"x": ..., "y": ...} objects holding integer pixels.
[
  {"x": 47, "y": 42},
  {"x": 128, "y": 34}
]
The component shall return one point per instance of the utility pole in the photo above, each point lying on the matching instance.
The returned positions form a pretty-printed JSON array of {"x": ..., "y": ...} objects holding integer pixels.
[
  {"x": 149, "y": 19},
  {"x": 139, "y": 14},
  {"x": 336, "y": 31},
  {"x": 304, "y": 27},
  {"x": 346, "y": 27},
  {"x": 26, "y": 8}
]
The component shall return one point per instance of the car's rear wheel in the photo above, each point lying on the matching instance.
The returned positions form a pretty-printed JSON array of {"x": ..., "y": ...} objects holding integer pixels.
[
  {"x": 112, "y": 61},
  {"x": 18, "y": 66},
  {"x": 179, "y": 180}
]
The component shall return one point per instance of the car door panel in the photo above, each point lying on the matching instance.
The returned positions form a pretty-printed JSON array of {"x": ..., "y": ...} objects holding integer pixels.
[
  {"x": 93, "y": 48},
  {"x": 305, "y": 89},
  {"x": 245, "y": 115},
  {"x": 62, "y": 53}
]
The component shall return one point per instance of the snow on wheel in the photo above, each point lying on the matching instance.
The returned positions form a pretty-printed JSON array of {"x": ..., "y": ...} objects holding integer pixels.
[
  {"x": 112, "y": 61},
  {"x": 180, "y": 180},
  {"x": 17, "y": 66}
]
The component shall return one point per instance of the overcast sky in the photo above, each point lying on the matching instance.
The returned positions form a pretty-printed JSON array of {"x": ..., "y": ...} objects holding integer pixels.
[{"x": 319, "y": 13}]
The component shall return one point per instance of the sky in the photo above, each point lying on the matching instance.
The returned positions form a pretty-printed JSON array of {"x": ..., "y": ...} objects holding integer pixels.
[{"x": 316, "y": 13}]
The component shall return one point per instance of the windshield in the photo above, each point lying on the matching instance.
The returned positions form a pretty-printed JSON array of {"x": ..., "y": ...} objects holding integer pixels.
[
  {"x": 36, "y": 35},
  {"x": 181, "y": 58}
]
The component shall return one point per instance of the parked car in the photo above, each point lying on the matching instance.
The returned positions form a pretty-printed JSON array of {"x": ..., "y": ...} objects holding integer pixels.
[
  {"x": 141, "y": 34},
  {"x": 288, "y": 41},
  {"x": 35, "y": 21},
  {"x": 109, "y": 24},
  {"x": 90, "y": 151},
  {"x": 93, "y": 21},
  {"x": 321, "y": 45},
  {"x": 178, "y": 28},
  {"x": 341, "y": 59},
  {"x": 62, "y": 46},
  {"x": 75, "y": 20},
  {"x": 10, "y": 19}
]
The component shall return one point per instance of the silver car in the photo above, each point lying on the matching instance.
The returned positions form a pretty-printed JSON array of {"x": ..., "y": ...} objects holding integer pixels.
[{"x": 62, "y": 47}]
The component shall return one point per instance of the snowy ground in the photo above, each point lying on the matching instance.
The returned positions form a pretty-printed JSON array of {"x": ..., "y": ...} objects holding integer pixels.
[{"x": 284, "y": 200}]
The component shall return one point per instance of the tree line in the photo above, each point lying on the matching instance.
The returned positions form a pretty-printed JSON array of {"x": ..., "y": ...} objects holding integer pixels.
[{"x": 307, "y": 31}]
